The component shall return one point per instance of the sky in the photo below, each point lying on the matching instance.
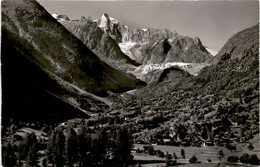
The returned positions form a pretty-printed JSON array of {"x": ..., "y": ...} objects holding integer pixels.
[{"x": 214, "y": 22}]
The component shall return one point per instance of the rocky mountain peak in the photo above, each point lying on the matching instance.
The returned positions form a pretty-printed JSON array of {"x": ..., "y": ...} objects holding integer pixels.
[
  {"x": 197, "y": 40},
  {"x": 107, "y": 21},
  {"x": 104, "y": 21},
  {"x": 139, "y": 44}
]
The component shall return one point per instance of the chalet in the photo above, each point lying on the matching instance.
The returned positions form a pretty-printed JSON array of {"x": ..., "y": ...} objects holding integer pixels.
[
  {"x": 208, "y": 143},
  {"x": 167, "y": 141}
]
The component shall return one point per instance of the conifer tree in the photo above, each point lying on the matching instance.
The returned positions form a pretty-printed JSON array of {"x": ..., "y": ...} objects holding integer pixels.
[
  {"x": 122, "y": 147},
  {"x": 24, "y": 146},
  {"x": 8, "y": 156},
  {"x": 32, "y": 156},
  {"x": 71, "y": 148},
  {"x": 103, "y": 145},
  {"x": 84, "y": 144},
  {"x": 59, "y": 149},
  {"x": 51, "y": 147},
  {"x": 183, "y": 153}
]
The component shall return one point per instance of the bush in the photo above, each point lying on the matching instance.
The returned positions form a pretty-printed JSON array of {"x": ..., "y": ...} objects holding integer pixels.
[
  {"x": 250, "y": 146},
  {"x": 150, "y": 150},
  {"x": 193, "y": 159},
  {"x": 159, "y": 153},
  {"x": 174, "y": 156},
  {"x": 231, "y": 147},
  {"x": 244, "y": 158},
  {"x": 232, "y": 159},
  {"x": 253, "y": 159}
]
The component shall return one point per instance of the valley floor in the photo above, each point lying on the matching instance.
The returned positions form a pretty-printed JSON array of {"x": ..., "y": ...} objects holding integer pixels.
[{"x": 208, "y": 156}]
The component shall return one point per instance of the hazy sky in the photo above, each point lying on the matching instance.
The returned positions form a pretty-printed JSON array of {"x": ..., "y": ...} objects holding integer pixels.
[{"x": 214, "y": 22}]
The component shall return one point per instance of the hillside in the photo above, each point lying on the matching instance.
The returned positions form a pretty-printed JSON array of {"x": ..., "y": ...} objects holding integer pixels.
[
  {"x": 243, "y": 43},
  {"x": 219, "y": 105},
  {"x": 235, "y": 67},
  {"x": 27, "y": 91},
  {"x": 54, "y": 67}
]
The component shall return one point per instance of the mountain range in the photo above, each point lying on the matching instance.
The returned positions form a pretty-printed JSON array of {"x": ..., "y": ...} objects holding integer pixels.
[
  {"x": 144, "y": 46},
  {"x": 54, "y": 69},
  {"x": 194, "y": 109},
  {"x": 144, "y": 53}
]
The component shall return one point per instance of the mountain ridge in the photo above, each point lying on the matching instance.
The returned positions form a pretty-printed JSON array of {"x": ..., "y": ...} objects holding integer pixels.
[
  {"x": 60, "y": 58},
  {"x": 138, "y": 44},
  {"x": 97, "y": 41},
  {"x": 238, "y": 44},
  {"x": 141, "y": 42}
]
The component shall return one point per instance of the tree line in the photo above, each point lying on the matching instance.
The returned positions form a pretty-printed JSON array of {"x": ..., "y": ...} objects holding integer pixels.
[
  {"x": 24, "y": 152},
  {"x": 68, "y": 148}
]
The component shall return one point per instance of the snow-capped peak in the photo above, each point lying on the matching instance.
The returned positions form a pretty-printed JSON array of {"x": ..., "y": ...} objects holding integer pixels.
[
  {"x": 213, "y": 52},
  {"x": 113, "y": 20},
  {"x": 55, "y": 15},
  {"x": 105, "y": 18},
  {"x": 60, "y": 18}
]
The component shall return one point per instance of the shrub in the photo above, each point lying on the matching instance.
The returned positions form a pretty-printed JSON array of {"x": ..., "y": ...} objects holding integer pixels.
[
  {"x": 174, "y": 156},
  {"x": 221, "y": 155},
  {"x": 250, "y": 146},
  {"x": 231, "y": 147},
  {"x": 232, "y": 159},
  {"x": 244, "y": 158},
  {"x": 160, "y": 153},
  {"x": 193, "y": 159},
  {"x": 253, "y": 159},
  {"x": 150, "y": 150}
]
